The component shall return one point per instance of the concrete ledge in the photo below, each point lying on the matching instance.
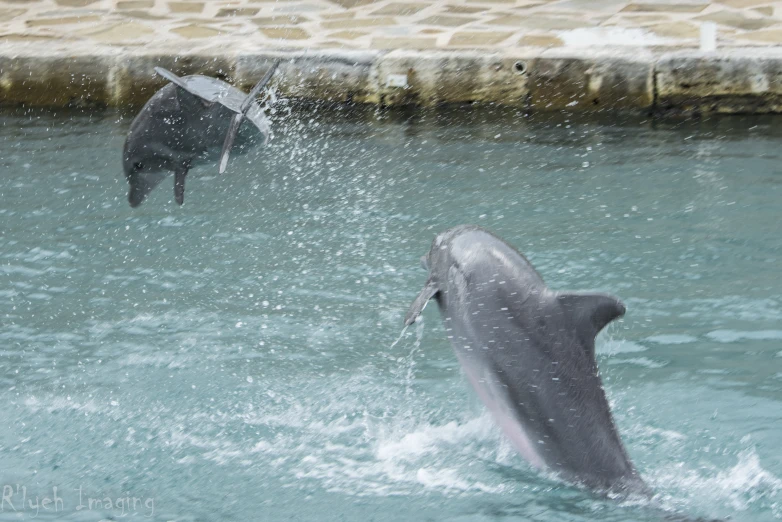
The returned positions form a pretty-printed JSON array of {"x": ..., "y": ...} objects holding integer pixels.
[
  {"x": 535, "y": 79},
  {"x": 736, "y": 81},
  {"x": 589, "y": 80}
]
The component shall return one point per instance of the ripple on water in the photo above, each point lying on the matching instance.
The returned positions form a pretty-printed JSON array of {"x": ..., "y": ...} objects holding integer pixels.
[{"x": 732, "y": 336}]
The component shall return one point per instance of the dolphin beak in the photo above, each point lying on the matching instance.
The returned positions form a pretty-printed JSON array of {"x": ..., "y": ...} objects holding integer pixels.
[{"x": 424, "y": 264}]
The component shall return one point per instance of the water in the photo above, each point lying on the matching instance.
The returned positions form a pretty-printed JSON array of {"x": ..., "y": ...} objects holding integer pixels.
[{"x": 232, "y": 359}]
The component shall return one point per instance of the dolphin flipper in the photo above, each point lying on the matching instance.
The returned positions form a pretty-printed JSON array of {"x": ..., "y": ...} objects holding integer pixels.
[
  {"x": 590, "y": 313},
  {"x": 236, "y": 121},
  {"x": 429, "y": 291},
  {"x": 258, "y": 86},
  {"x": 230, "y": 136}
]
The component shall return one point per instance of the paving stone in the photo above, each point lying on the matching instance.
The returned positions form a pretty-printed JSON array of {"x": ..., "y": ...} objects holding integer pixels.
[
  {"x": 358, "y": 22},
  {"x": 120, "y": 33},
  {"x": 348, "y": 35},
  {"x": 403, "y": 43},
  {"x": 396, "y": 9},
  {"x": 142, "y": 15},
  {"x": 737, "y": 19},
  {"x": 21, "y": 37},
  {"x": 349, "y": 4},
  {"x": 765, "y": 11},
  {"x": 338, "y": 16},
  {"x": 666, "y": 8},
  {"x": 196, "y": 31},
  {"x": 186, "y": 7},
  {"x": 446, "y": 20},
  {"x": 591, "y": 5},
  {"x": 744, "y": 3},
  {"x": 476, "y": 39},
  {"x": 237, "y": 12},
  {"x": 633, "y": 19},
  {"x": 10, "y": 14},
  {"x": 136, "y": 4},
  {"x": 675, "y": 30},
  {"x": 540, "y": 22},
  {"x": 65, "y": 20},
  {"x": 464, "y": 9},
  {"x": 74, "y": 3},
  {"x": 540, "y": 40},
  {"x": 285, "y": 33},
  {"x": 767, "y": 36},
  {"x": 280, "y": 20}
]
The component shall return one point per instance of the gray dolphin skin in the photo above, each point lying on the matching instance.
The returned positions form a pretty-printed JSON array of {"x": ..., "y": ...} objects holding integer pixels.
[
  {"x": 180, "y": 124},
  {"x": 529, "y": 352}
]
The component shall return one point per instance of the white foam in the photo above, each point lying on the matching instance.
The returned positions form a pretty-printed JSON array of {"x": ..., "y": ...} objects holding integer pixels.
[
  {"x": 672, "y": 339},
  {"x": 615, "y": 346},
  {"x": 609, "y": 36},
  {"x": 731, "y": 336},
  {"x": 640, "y": 361},
  {"x": 745, "y": 485}
]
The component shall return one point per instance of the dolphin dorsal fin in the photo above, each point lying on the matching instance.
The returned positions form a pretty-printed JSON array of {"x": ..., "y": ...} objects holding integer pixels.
[
  {"x": 590, "y": 313},
  {"x": 429, "y": 291}
]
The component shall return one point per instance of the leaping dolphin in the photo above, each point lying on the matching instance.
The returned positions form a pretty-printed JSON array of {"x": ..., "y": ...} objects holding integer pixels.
[
  {"x": 529, "y": 352},
  {"x": 180, "y": 123}
]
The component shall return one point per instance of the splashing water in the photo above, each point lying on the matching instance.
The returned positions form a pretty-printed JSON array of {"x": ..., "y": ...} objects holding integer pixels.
[{"x": 230, "y": 358}]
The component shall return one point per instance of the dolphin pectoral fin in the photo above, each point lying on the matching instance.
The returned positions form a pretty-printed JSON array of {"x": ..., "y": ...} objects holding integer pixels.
[
  {"x": 590, "y": 313},
  {"x": 230, "y": 136},
  {"x": 179, "y": 184},
  {"x": 429, "y": 291}
]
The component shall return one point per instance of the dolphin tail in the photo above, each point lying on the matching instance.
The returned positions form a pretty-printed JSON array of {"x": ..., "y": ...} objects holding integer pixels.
[
  {"x": 236, "y": 121},
  {"x": 429, "y": 291}
]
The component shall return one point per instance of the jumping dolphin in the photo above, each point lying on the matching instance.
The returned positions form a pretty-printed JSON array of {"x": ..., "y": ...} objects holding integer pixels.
[
  {"x": 529, "y": 352},
  {"x": 180, "y": 123}
]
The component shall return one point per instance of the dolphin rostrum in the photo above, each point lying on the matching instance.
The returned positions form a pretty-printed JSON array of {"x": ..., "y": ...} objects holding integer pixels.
[
  {"x": 529, "y": 352},
  {"x": 180, "y": 123}
]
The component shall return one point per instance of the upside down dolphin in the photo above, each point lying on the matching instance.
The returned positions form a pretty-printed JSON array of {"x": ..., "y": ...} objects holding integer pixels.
[
  {"x": 529, "y": 352},
  {"x": 180, "y": 123}
]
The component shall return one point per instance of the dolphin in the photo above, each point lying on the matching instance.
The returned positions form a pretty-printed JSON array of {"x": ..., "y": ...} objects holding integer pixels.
[
  {"x": 180, "y": 123},
  {"x": 529, "y": 352}
]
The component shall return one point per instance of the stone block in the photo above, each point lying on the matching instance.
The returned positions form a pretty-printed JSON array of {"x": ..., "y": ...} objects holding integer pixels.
[
  {"x": 437, "y": 77},
  {"x": 665, "y": 7},
  {"x": 740, "y": 81},
  {"x": 399, "y": 9},
  {"x": 53, "y": 80},
  {"x": 334, "y": 77},
  {"x": 133, "y": 78},
  {"x": 194, "y": 31},
  {"x": 402, "y": 42},
  {"x": 446, "y": 20},
  {"x": 285, "y": 33},
  {"x": 186, "y": 7},
  {"x": 591, "y": 80},
  {"x": 737, "y": 19},
  {"x": 478, "y": 38}
]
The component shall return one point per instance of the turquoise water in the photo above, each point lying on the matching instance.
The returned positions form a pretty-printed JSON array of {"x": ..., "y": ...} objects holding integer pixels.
[{"x": 232, "y": 359}]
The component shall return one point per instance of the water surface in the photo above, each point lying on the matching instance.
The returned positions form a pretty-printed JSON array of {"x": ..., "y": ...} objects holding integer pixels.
[{"x": 232, "y": 359}]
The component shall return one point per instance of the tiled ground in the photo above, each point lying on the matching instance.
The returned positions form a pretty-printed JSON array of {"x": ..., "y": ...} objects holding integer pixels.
[{"x": 388, "y": 24}]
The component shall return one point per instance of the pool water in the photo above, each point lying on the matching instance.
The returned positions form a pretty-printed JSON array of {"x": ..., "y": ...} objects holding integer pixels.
[{"x": 234, "y": 358}]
